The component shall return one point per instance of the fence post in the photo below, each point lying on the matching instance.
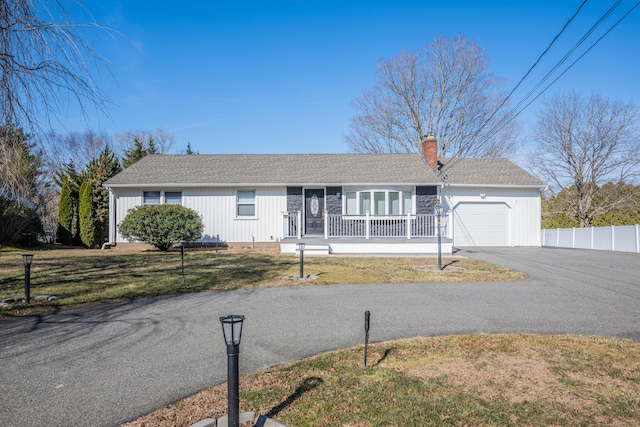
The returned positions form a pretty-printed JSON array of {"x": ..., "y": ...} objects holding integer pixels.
[
  {"x": 573, "y": 237},
  {"x": 367, "y": 226},
  {"x": 637, "y": 238},
  {"x": 299, "y": 225},
  {"x": 557, "y": 237},
  {"x": 613, "y": 238}
]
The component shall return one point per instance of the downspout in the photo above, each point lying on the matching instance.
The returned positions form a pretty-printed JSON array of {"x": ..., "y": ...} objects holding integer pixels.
[{"x": 112, "y": 218}]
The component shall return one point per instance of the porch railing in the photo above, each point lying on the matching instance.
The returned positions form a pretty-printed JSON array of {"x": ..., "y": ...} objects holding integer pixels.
[{"x": 367, "y": 226}]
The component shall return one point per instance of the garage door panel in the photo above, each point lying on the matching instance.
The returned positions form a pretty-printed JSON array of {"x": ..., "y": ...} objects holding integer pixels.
[{"x": 481, "y": 224}]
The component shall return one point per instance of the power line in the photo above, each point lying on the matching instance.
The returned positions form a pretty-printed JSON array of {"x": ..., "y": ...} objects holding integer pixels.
[
  {"x": 514, "y": 112},
  {"x": 580, "y": 57}
]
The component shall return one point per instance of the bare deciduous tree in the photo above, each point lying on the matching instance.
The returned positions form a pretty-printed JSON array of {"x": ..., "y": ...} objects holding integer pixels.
[
  {"x": 46, "y": 63},
  {"x": 445, "y": 90},
  {"x": 584, "y": 144},
  {"x": 79, "y": 147}
]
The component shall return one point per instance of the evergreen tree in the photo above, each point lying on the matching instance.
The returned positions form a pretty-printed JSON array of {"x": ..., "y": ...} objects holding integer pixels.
[
  {"x": 73, "y": 179},
  {"x": 89, "y": 232},
  {"x": 19, "y": 179},
  {"x": 98, "y": 171},
  {"x": 65, "y": 215},
  {"x": 134, "y": 154}
]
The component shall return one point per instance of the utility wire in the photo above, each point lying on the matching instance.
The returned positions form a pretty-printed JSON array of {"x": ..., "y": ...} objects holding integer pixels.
[
  {"x": 579, "y": 58},
  {"x": 540, "y": 57},
  {"x": 515, "y": 112},
  {"x": 504, "y": 101},
  {"x": 570, "y": 52}
]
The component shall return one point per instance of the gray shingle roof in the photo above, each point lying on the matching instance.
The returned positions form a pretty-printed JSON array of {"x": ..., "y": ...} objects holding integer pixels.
[
  {"x": 304, "y": 169},
  {"x": 486, "y": 172},
  {"x": 229, "y": 169}
]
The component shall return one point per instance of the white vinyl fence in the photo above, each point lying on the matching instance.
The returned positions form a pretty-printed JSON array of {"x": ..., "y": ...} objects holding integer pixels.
[{"x": 614, "y": 238}]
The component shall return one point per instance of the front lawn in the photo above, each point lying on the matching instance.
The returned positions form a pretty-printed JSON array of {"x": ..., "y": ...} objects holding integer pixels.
[
  {"x": 83, "y": 276},
  {"x": 469, "y": 380}
]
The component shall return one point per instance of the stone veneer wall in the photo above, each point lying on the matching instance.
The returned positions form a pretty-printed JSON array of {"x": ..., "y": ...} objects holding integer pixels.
[
  {"x": 426, "y": 200},
  {"x": 294, "y": 199},
  {"x": 334, "y": 200}
]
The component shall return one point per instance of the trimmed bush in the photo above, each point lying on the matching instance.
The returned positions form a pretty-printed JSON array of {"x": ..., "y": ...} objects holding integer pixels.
[{"x": 162, "y": 225}]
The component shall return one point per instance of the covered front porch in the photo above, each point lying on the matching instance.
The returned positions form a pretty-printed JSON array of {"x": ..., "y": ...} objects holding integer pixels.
[{"x": 368, "y": 234}]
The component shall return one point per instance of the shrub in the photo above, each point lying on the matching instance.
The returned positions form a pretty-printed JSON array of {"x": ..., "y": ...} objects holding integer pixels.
[{"x": 162, "y": 225}]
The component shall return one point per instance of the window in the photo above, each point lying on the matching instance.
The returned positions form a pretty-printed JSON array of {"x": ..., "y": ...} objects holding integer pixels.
[
  {"x": 394, "y": 203},
  {"x": 151, "y": 197},
  {"x": 352, "y": 203},
  {"x": 173, "y": 197},
  {"x": 246, "y": 203},
  {"x": 365, "y": 203},
  {"x": 378, "y": 202},
  {"x": 406, "y": 202}
]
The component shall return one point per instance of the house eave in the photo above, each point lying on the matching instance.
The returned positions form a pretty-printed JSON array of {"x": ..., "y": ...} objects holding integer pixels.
[
  {"x": 496, "y": 185},
  {"x": 263, "y": 184}
]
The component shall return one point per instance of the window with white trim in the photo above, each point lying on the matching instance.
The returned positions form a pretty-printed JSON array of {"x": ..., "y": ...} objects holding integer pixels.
[
  {"x": 378, "y": 202},
  {"x": 151, "y": 197},
  {"x": 173, "y": 197},
  {"x": 246, "y": 203}
]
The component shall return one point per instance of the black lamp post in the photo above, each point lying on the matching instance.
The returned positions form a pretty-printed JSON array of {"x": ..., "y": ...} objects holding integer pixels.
[
  {"x": 301, "y": 249},
  {"x": 182, "y": 258},
  {"x": 438, "y": 211},
  {"x": 232, "y": 330},
  {"x": 27, "y": 259}
]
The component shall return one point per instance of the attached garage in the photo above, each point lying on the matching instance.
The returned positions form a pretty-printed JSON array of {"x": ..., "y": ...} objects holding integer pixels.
[{"x": 481, "y": 224}]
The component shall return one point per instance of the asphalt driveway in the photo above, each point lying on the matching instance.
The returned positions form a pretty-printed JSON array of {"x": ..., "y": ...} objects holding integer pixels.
[{"x": 103, "y": 365}]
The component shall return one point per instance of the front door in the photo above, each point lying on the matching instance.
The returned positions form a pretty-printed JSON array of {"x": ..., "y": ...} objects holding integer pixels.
[{"x": 314, "y": 206}]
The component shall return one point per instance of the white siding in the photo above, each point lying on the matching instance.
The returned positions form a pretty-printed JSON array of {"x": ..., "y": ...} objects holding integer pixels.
[
  {"x": 217, "y": 207},
  {"x": 523, "y": 207}
]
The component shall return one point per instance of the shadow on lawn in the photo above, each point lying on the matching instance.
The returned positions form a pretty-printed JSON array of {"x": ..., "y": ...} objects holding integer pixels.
[{"x": 307, "y": 385}]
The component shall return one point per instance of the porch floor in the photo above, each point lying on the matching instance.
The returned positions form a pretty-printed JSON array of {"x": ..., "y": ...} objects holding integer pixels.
[{"x": 359, "y": 245}]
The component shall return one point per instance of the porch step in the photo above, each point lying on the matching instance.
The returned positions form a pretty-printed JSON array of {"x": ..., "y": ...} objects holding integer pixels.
[{"x": 314, "y": 249}]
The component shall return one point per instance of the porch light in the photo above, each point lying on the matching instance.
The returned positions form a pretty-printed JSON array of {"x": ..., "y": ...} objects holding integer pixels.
[{"x": 232, "y": 328}]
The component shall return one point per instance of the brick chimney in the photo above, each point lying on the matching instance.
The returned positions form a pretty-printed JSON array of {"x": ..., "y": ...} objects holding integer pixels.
[{"x": 429, "y": 150}]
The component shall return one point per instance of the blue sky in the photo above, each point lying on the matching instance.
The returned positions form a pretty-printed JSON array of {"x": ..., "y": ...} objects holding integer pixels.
[{"x": 279, "y": 76}]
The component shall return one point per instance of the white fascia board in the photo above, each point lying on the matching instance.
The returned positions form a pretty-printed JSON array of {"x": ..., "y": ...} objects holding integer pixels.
[
  {"x": 262, "y": 184},
  {"x": 496, "y": 185}
]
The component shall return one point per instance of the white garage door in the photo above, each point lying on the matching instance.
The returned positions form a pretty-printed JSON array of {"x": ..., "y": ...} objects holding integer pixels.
[{"x": 481, "y": 224}]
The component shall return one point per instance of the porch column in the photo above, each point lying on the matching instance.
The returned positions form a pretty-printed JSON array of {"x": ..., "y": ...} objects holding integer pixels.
[
  {"x": 112, "y": 217},
  {"x": 408, "y": 226},
  {"x": 299, "y": 224},
  {"x": 325, "y": 214}
]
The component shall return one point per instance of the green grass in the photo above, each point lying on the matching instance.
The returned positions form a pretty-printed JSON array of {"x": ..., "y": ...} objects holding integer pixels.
[
  {"x": 79, "y": 277},
  {"x": 469, "y": 380}
]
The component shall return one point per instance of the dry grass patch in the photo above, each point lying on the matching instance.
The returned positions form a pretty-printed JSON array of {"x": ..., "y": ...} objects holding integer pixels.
[
  {"x": 472, "y": 380},
  {"x": 82, "y": 276}
]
